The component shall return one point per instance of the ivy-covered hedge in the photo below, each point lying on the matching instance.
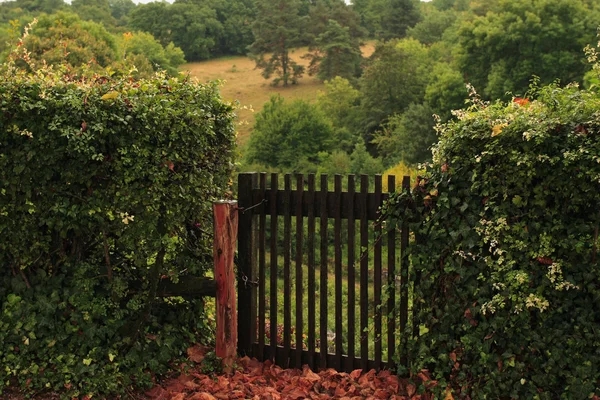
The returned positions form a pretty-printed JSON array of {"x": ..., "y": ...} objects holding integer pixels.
[
  {"x": 105, "y": 189},
  {"x": 505, "y": 225}
]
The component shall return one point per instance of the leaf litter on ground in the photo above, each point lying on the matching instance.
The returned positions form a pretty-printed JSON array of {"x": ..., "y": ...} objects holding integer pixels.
[{"x": 264, "y": 380}]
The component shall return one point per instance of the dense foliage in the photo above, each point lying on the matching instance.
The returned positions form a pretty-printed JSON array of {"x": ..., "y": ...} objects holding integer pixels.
[
  {"x": 64, "y": 38},
  {"x": 105, "y": 191},
  {"x": 289, "y": 135},
  {"x": 505, "y": 225}
]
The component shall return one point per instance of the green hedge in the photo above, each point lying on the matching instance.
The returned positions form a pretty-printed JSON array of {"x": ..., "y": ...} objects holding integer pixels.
[
  {"x": 505, "y": 227},
  {"x": 105, "y": 188}
]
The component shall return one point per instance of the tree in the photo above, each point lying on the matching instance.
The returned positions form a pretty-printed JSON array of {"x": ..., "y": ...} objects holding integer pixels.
[
  {"x": 340, "y": 102},
  {"x": 287, "y": 135},
  {"x": 64, "y": 37},
  {"x": 277, "y": 28},
  {"x": 408, "y": 137},
  {"x": 387, "y": 19},
  {"x": 152, "y": 18},
  {"x": 193, "y": 27},
  {"x": 160, "y": 58},
  {"x": 433, "y": 25},
  {"x": 335, "y": 53},
  {"x": 399, "y": 15},
  {"x": 361, "y": 162},
  {"x": 94, "y": 10},
  {"x": 371, "y": 13},
  {"x": 120, "y": 10},
  {"x": 445, "y": 91},
  {"x": 323, "y": 11},
  {"x": 35, "y": 7},
  {"x": 236, "y": 16},
  {"x": 395, "y": 78},
  {"x": 514, "y": 40}
]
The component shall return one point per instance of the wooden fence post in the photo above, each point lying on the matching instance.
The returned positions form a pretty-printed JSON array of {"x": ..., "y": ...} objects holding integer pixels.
[
  {"x": 224, "y": 245},
  {"x": 247, "y": 240}
]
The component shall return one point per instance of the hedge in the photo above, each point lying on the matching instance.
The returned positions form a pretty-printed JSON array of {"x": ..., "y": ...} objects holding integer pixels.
[
  {"x": 106, "y": 185},
  {"x": 505, "y": 225}
]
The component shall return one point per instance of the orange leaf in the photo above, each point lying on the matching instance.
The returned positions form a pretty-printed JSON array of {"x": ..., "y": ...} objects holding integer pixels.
[
  {"x": 355, "y": 374},
  {"x": 197, "y": 352}
]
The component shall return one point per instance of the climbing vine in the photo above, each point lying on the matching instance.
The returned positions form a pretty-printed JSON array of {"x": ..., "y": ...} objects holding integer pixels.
[{"x": 504, "y": 226}]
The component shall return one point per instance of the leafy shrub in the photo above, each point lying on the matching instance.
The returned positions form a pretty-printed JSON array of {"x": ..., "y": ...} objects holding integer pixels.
[
  {"x": 105, "y": 190},
  {"x": 289, "y": 135},
  {"x": 144, "y": 44},
  {"x": 505, "y": 223}
]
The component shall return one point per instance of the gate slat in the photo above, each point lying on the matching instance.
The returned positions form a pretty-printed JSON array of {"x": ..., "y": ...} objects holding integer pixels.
[
  {"x": 299, "y": 281},
  {"x": 391, "y": 274},
  {"x": 311, "y": 270},
  {"x": 261, "y": 267},
  {"x": 247, "y": 264},
  {"x": 364, "y": 274},
  {"x": 273, "y": 267},
  {"x": 287, "y": 247},
  {"x": 324, "y": 270},
  {"x": 351, "y": 274},
  {"x": 404, "y": 282},
  {"x": 377, "y": 276},
  {"x": 338, "y": 271}
]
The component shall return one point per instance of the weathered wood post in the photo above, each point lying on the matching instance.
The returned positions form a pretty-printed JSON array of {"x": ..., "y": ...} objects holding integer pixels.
[{"x": 225, "y": 243}]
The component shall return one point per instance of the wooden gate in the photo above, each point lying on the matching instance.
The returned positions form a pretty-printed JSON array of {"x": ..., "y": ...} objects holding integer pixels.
[{"x": 320, "y": 280}]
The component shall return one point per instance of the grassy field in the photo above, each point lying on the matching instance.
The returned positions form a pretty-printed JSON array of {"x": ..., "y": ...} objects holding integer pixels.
[{"x": 244, "y": 83}]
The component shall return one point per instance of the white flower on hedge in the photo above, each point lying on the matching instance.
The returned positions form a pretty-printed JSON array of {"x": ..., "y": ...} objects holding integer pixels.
[
  {"x": 534, "y": 301},
  {"x": 126, "y": 218},
  {"x": 25, "y": 132}
]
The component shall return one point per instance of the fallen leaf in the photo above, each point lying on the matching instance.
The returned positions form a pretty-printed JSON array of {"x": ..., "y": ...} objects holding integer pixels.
[
  {"x": 356, "y": 374},
  {"x": 197, "y": 352},
  {"x": 202, "y": 396}
]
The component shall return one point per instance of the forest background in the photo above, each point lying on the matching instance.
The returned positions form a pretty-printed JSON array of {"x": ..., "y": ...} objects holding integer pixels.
[{"x": 365, "y": 114}]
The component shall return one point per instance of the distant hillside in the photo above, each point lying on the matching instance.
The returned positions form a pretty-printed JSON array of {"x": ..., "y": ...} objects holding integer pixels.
[{"x": 246, "y": 85}]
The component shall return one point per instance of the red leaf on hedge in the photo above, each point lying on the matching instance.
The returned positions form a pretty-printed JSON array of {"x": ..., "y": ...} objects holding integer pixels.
[{"x": 545, "y": 260}]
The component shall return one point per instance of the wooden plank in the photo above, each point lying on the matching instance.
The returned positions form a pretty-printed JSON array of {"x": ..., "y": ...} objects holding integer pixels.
[
  {"x": 273, "y": 289},
  {"x": 404, "y": 282},
  {"x": 330, "y": 360},
  {"x": 188, "y": 287},
  {"x": 287, "y": 247},
  {"x": 310, "y": 200},
  {"x": 351, "y": 274},
  {"x": 299, "y": 278},
  {"x": 224, "y": 244},
  {"x": 246, "y": 264},
  {"x": 331, "y": 207},
  {"x": 337, "y": 238},
  {"x": 377, "y": 276},
  {"x": 262, "y": 244},
  {"x": 364, "y": 273},
  {"x": 324, "y": 244},
  {"x": 391, "y": 280}
]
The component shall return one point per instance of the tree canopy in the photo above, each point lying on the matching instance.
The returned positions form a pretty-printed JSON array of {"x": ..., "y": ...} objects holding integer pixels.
[{"x": 277, "y": 29}]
